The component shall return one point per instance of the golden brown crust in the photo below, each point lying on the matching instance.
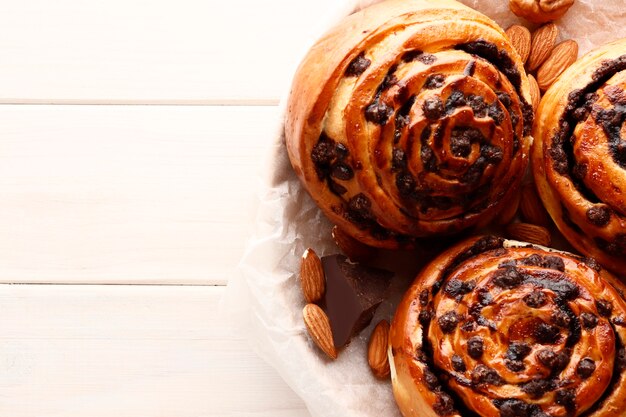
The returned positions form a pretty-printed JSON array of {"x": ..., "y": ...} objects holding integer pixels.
[
  {"x": 504, "y": 328},
  {"x": 387, "y": 152},
  {"x": 578, "y": 160}
]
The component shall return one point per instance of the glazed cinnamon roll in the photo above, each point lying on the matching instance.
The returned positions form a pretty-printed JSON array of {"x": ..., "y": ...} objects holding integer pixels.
[
  {"x": 498, "y": 328},
  {"x": 579, "y": 158},
  {"x": 410, "y": 119}
]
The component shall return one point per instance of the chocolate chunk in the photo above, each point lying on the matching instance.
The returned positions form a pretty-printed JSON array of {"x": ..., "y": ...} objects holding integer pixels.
[
  {"x": 336, "y": 188},
  {"x": 514, "y": 408},
  {"x": 433, "y": 108},
  {"x": 508, "y": 277},
  {"x": 425, "y": 316},
  {"x": 504, "y": 98},
  {"x": 605, "y": 308},
  {"x": 554, "y": 361},
  {"x": 378, "y": 112},
  {"x": 448, "y": 322},
  {"x": 484, "y": 297},
  {"x": 517, "y": 351},
  {"x": 342, "y": 171},
  {"x": 478, "y": 105},
  {"x": 559, "y": 159},
  {"x": 496, "y": 113},
  {"x": 456, "y": 287},
  {"x": 434, "y": 81},
  {"x": 536, "y": 388},
  {"x": 566, "y": 398},
  {"x": 426, "y": 58},
  {"x": 358, "y": 65},
  {"x": 455, "y": 99},
  {"x": 361, "y": 206},
  {"x": 424, "y": 298},
  {"x": 561, "y": 318},
  {"x": 546, "y": 333},
  {"x": 458, "y": 364},
  {"x": 599, "y": 215},
  {"x": 536, "y": 299},
  {"x": 430, "y": 379},
  {"x": 592, "y": 263},
  {"x": 398, "y": 160},
  {"x": 428, "y": 158},
  {"x": 548, "y": 261},
  {"x": 475, "y": 347},
  {"x": 586, "y": 367},
  {"x": 405, "y": 184},
  {"x": 353, "y": 293},
  {"x": 621, "y": 359},
  {"x": 444, "y": 405},
  {"x": 483, "y": 374},
  {"x": 590, "y": 321},
  {"x": 514, "y": 365}
]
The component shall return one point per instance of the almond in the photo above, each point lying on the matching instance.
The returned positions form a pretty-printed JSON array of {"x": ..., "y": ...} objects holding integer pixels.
[
  {"x": 317, "y": 324},
  {"x": 351, "y": 247},
  {"x": 312, "y": 277},
  {"x": 562, "y": 56},
  {"x": 529, "y": 233},
  {"x": 531, "y": 207},
  {"x": 520, "y": 39},
  {"x": 509, "y": 210},
  {"x": 535, "y": 94},
  {"x": 543, "y": 41},
  {"x": 377, "y": 350}
]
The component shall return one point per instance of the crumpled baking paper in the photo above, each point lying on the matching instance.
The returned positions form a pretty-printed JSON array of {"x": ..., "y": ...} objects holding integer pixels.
[{"x": 264, "y": 302}]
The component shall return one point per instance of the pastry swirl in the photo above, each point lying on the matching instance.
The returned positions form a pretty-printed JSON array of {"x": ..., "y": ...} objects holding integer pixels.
[
  {"x": 579, "y": 158},
  {"x": 498, "y": 328},
  {"x": 410, "y": 119}
]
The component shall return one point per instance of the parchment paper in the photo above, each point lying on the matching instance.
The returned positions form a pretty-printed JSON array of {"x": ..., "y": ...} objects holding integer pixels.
[{"x": 264, "y": 302}]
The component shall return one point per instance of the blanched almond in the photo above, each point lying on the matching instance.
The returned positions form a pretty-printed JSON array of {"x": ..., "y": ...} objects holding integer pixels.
[
  {"x": 535, "y": 94},
  {"x": 531, "y": 233},
  {"x": 508, "y": 212},
  {"x": 531, "y": 207}
]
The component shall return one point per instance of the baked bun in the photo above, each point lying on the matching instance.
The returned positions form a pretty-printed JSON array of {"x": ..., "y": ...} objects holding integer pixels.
[
  {"x": 410, "y": 119},
  {"x": 498, "y": 328},
  {"x": 579, "y": 157}
]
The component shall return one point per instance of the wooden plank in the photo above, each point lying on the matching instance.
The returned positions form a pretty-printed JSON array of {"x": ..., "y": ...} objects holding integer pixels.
[
  {"x": 128, "y": 194},
  {"x": 129, "y": 351},
  {"x": 157, "y": 51}
]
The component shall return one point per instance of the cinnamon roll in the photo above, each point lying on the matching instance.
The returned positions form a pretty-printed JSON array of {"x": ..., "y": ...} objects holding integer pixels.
[
  {"x": 410, "y": 119},
  {"x": 579, "y": 158},
  {"x": 498, "y": 328}
]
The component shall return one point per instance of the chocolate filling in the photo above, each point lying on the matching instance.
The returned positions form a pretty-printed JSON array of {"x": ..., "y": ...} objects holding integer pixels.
[{"x": 358, "y": 66}]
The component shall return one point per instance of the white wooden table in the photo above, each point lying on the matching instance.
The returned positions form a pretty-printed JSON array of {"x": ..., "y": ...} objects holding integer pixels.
[{"x": 130, "y": 136}]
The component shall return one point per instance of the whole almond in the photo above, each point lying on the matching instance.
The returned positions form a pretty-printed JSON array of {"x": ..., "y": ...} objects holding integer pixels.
[
  {"x": 317, "y": 324},
  {"x": 312, "y": 277},
  {"x": 529, "y": 233},
  {"x": 351, "y": 247},
  {"x": 377, "y": 350},
  {"x": 562, "y": 56},
  {"x": 543, "y": 41},
  {"x": 509, "y": 210},
  {"x": 520, "y": 39},
  {"x": 535, "y": 94},
  {"x": 531, "y": 207}
]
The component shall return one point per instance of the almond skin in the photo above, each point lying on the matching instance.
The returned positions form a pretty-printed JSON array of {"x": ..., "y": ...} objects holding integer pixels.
[
  {"x": 520, "y": 39},
  {"x": 377, "y": 350},
  {"x": 531, "y": 233},
  {"x": 317, "y": 324},
  {"x": 543, "y": 41},
  {"x": 531, "y": 208},
  {"x": 562, "y": 56},
  {"x": 312, "y": 277},
  {"x": 535, "y": 93},
  {"x": 351, "y": 247}
]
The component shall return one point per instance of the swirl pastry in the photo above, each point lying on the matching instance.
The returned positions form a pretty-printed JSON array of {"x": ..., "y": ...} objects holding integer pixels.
[
  {"x": 409, "y": 119},
  {"x": 502, "y": 328},
  {"x": 579, "y": 160}
]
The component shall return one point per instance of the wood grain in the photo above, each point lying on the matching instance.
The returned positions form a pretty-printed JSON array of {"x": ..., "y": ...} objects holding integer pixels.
[
  {"x": 128, "y": 194},
  {"x": 147, "y": 351},
  {"x": 157, "y": 51}
]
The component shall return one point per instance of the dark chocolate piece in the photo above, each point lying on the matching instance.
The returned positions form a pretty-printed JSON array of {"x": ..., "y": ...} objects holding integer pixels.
[
  {"x": 475, "y": 347},
  {"x": 353, "y": 293},
  {"x": 358, "y": 66},
  {"x": 586, "y": 367},
  {"x": 536, "y": 299}
]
